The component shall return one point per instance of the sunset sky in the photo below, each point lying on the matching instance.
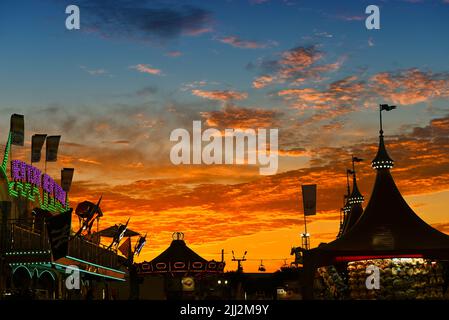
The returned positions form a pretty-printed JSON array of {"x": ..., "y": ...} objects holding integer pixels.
[{"x": 136, "y": 70}]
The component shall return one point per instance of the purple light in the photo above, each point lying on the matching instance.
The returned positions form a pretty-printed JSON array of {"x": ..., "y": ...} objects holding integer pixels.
[
  {"x": 23, "y": 172},
  {"x": 48, "y": 184},
  {"x": 60, "y": 194},
  {"x": 35, "y": 176},
  {"x": 18, "y": 169}
]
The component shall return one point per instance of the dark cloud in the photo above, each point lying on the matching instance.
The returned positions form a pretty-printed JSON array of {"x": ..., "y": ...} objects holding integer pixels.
[{"x": 143, "y": 20}]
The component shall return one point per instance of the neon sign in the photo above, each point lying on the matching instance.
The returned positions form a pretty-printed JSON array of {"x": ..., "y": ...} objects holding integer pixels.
[
  {"x": 26, "y": 173},
  {"x": 29, "y": 182}
]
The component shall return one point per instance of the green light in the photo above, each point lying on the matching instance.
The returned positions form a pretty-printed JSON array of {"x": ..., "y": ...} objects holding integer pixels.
[
  {"x": 95, "y": 265},
  {"x": 28, "y": 191},
  {"x": 6, "y": 155},
  {"x": 89, "y": 272}
]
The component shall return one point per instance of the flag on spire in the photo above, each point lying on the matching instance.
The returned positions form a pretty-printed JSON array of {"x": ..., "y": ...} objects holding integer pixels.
[{"x": 386, "y": 107}]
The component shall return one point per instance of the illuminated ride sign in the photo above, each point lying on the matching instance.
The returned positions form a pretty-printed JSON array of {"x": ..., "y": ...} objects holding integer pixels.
[{"x": 29, "y": 182}]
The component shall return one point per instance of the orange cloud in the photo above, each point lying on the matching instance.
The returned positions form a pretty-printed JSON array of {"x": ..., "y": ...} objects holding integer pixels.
[
  {"x": 295, "y": 152},
  {"x": 241, "y": 118},
  {"x": 338, "y": 98},
  {"x": 221, "y": 95},
  {"x": 411, "y": 86},
  {"x": 262, "y": 81},
  {"x": 296, "y": 66}
]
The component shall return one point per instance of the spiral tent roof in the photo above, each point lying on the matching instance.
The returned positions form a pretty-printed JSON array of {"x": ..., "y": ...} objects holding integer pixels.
[
  {"x": 388, "y": 227},
  {"x": 179, "y": 258}
]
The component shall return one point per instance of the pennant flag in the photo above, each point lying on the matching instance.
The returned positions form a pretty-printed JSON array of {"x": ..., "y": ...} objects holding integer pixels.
[
  {"x": 66, "y": 178},
  {"x": 125, "y": 248},
  {"x": 386, "y": 107},
  {"x": 58, "y": 228},
  {"x": 17, "y": 128},
  {"x": 37, "y": 141},
  {"x": 355, "y": 159},
  {"x": 121, "y": 232},
  {"x": 309, "y": 199},
  {"x": 139, "y": 245},
  {"x": 52, "y": 148}
]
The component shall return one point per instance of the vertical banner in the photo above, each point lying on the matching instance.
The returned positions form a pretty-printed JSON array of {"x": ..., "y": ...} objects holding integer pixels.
[
  {"x": 37, "y": 141},
  {"x": 58, "y": 228},
  {"x": 309, "y": 199},
  {"x": 66, "y": 178},
  {"x": 17, "y": 129},
  {"x": 52, "y": 148}
]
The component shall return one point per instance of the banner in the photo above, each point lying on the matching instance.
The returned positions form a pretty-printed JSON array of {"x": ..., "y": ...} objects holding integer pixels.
[
  {"x": 58, "y": 228},
  {"x": 37, "y": 141},
  {"x": 139, "y": 245},
  {"x": 52, "y": 148},
  {"x": 17, "y": 128},
  {"x": 66, "y": 178},
  {"x": 309, "y": 199}
]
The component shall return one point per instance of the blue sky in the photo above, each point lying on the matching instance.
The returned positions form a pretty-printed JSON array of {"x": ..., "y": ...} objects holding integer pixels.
[{"x": 39, "y": 55}]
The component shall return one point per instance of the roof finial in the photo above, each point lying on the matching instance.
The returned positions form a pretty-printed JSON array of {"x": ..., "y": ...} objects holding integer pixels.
[
  {"x": 356, "y": 196},
  {"x": 178, "y": 236}
]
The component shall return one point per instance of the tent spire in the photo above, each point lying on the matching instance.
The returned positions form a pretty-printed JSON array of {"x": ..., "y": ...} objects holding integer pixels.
[
  {"x": 382, "y": 159},
  {"x": 356, "y": 196}
]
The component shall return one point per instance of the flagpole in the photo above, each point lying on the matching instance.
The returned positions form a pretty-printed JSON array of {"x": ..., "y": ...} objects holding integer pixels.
[
  {"x": 380, "y": 118},
  {"x": 304, "y": 238}
]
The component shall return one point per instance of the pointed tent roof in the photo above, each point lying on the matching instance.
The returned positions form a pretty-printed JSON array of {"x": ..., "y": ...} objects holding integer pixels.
[
  {"x": 387, "y": 228},
  {"x": 353, "y": 205},
  {"x": 352, "y": 217},
  {"x": 178, "y": 251},
  {"x": 179, "y": 258}
]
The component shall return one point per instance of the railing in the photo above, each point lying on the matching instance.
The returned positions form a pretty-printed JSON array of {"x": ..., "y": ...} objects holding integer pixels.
[
  {"x": 25, "y": 236},
  {"x": 88, "y": 251},
  {"x": 24, "y": 239}
]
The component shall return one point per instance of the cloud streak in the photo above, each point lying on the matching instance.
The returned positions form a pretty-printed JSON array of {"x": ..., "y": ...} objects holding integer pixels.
[
  {"x": 238, "y": 42},
  {"x": 146, "y": 68},
  {"x": 220, "y": 95}
]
